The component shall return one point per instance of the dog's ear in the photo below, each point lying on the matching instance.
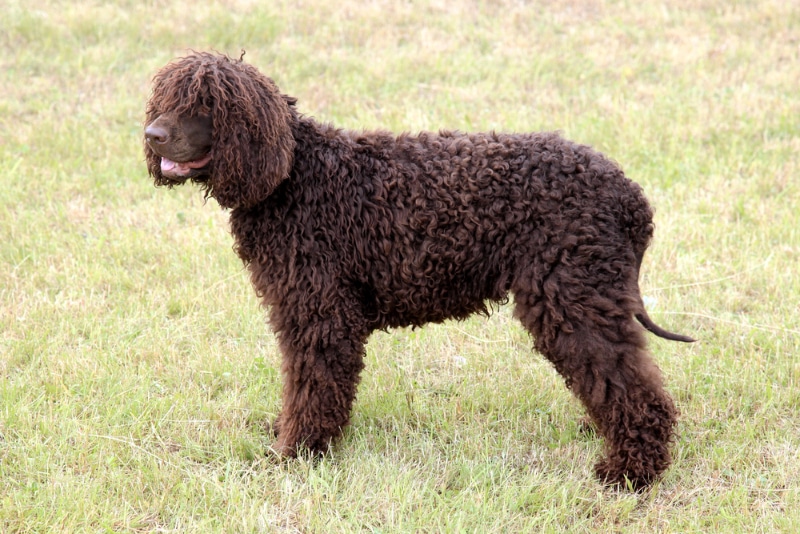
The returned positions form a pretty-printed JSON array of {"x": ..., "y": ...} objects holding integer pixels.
[{"x": 252, "y": 141}]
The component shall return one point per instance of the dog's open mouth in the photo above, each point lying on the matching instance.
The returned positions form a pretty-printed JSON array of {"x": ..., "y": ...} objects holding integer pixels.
[{"x": 183, "y": 169}]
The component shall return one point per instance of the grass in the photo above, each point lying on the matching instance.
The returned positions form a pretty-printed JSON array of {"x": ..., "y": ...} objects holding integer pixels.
[{"x": 136, "y": 370}]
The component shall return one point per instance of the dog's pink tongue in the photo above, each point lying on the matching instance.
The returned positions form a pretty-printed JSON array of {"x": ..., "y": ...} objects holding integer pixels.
[
  {"x": 174, "y": 168},
  {"x": 167, "y": 165}
]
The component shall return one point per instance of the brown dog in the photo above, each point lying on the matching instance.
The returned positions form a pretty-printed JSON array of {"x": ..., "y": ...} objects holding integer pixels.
[{"x": 348, "y": 232}]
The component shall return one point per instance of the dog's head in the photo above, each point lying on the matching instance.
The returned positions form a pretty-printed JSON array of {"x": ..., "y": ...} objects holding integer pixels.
[{"x": 219, "y": 122}]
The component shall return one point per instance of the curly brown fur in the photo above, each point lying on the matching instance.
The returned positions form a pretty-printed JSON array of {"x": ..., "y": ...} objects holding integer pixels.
[{"x": 348, "y": 232}]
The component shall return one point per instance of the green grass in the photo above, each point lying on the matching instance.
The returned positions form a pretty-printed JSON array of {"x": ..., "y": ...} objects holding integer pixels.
[{"x": 137, "y": 373}]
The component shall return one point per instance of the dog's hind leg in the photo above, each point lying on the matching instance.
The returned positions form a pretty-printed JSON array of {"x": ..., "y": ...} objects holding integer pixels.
[{"x": 590, "y": 335}]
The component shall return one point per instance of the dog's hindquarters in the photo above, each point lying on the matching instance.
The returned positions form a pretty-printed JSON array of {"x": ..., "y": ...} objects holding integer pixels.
[
  {"x": 587, "y": 330},
  {"x": 581, "y": 302}
]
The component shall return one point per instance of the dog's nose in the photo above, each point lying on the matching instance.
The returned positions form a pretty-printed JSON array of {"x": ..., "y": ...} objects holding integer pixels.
[{"x": 156, "y": 135}]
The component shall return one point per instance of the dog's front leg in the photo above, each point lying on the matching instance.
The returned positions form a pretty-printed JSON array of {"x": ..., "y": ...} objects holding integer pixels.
[{"x": 322, "y": 359}]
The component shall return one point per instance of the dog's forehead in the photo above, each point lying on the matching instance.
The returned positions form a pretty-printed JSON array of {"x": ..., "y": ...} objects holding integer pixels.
[{"x": 186, "y": 98}]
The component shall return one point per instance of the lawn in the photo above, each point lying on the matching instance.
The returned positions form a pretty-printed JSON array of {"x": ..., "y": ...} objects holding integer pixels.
[{"x": 138, "y": 374}]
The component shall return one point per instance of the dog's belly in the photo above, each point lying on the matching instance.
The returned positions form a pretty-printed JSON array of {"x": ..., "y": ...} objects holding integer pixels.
[{"x": 433, "y": 289}]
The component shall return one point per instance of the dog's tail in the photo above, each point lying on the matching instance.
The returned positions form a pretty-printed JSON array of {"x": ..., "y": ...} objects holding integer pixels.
[
  {"x": 645, "y": 319},
  {"x": 648, "y": 323}
]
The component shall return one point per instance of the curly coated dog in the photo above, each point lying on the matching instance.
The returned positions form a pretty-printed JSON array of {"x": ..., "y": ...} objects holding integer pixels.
[{"x": 347, "y": 232}]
